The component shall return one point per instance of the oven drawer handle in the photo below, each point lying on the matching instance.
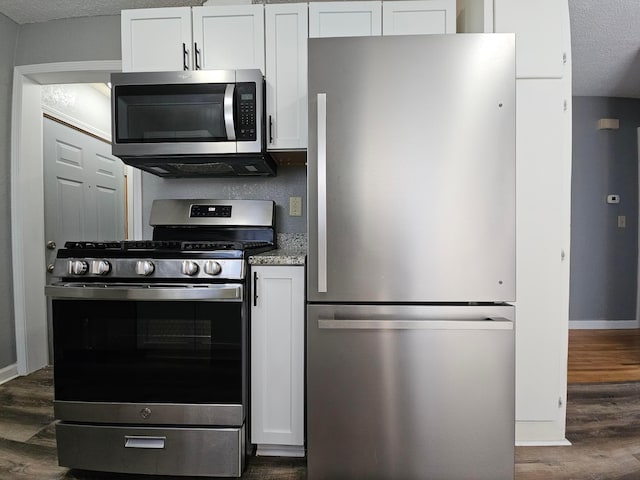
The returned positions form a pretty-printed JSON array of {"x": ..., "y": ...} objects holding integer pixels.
[
  {"x": 491, "y": 323},
  {"x": 134, "y": 441},
  {"x": 226, "y": 292}
]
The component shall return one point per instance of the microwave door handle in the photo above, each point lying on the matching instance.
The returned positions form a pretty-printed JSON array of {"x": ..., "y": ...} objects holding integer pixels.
[{"x": 228, "y": 111}]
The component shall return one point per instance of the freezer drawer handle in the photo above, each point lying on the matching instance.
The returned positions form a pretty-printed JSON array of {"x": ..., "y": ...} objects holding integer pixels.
[
  {"x": 133, "y": 441},
  {"x": 322, "y": 192},
  {"x": 493, "y": 323}
]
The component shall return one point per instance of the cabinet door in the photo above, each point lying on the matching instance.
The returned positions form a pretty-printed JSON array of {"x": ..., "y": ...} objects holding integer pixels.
[
  {"x": 539, "y": 35},
  {"x": 542, "y": 198},
  {"x": 156, "y": 39},
  {"x": 229, "y": 37},
  {"x": 418, "y": 17},
  {"x": 345, "y": 19},
  {"x": 277, "y": 356},
  {"x": 286, "y": 75}
]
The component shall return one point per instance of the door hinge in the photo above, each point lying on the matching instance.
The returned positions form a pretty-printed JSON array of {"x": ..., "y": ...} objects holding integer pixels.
[
  {"x": 564, "y": 58},
  {"x": 562, "y": 255},
  {"x": 560, "y": 402}
]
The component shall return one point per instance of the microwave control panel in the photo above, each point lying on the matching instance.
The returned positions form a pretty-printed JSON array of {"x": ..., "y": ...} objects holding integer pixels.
[{"x": 246, "y": 115}]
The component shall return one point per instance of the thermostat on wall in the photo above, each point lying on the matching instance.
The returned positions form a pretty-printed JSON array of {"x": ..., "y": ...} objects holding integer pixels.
[{"x": 613, "y": 198}]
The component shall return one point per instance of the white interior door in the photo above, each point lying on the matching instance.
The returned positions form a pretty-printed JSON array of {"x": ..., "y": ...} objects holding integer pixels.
[{"x": 84, "y": 189}]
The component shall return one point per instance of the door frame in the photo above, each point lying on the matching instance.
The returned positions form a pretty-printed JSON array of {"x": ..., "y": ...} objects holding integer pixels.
[
  {"x": 637, "y": 322},
  {"x": 27, "y": 200}
]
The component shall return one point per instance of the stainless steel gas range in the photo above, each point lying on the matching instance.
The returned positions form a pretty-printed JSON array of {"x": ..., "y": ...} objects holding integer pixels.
[{"x": 151, "y": 342}]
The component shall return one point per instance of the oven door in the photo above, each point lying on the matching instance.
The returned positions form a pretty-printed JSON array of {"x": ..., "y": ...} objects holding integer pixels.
[{"x": 157, "y": 354}]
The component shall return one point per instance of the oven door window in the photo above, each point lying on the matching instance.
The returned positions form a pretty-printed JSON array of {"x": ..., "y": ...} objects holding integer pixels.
[
  {"x": 170, "y": 113},
  {"x": 125, "y": 351}
]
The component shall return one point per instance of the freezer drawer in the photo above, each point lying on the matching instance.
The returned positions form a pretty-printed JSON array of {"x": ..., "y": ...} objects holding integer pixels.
[
  {"x": 410, "y": 392},
  {"x": 155, "y": 451}
]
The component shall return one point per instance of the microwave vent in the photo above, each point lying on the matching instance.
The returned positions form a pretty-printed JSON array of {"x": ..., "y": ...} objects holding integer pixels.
[{"x": 202, "y": 168}]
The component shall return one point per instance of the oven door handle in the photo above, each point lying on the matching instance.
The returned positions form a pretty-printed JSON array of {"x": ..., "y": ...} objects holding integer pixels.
[{"x": 217, "y": 292}]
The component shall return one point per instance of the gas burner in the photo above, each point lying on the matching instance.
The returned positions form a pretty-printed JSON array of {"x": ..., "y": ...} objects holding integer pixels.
[
  {"x": 92, "y": 245},
  {"x": 184, "y": 245}
]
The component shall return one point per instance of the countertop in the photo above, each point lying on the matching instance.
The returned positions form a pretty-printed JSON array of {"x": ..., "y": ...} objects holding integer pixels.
[
  {"x": 292, "y": 250},
  {"x": 281, "y": 256}
]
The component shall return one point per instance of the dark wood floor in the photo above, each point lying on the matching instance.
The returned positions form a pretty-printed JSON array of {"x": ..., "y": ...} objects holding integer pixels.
[{"x": 603, "y": 423}]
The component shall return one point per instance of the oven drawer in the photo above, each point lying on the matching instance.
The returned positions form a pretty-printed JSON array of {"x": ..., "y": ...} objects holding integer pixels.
[{"x": 153, "y": 451}]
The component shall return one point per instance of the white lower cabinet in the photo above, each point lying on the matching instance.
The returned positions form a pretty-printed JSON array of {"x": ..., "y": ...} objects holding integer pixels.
[{"x": 277, "y": 360}]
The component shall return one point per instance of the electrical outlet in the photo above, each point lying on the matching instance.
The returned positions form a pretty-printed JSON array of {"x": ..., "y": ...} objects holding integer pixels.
[
  {"x": 295, "y": 206},
  {"x": 622, "y": 221}
]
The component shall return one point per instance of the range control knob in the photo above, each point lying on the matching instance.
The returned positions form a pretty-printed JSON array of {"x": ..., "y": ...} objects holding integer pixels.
[
  {"x": 144, "y": 267},
  {"x": 100, "y": 267},
  {"x": 78, "y": 267},
  {"x": 189, "y": 267},
  {"x": 211, "y": 267}
]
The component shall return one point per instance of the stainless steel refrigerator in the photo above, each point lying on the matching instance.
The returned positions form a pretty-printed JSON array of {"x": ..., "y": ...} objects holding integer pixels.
[{"x": 411, "y": 187}]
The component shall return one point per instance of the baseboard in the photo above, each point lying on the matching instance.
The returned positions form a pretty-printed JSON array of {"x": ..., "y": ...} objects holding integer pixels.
[
  {"x": 602, "y": 324},
  {"x": 559, "y": 443},
  {"x": 8, "y": 373},
  {"x": 540, "y": 433},
  {"x": 280, "y": 450}
]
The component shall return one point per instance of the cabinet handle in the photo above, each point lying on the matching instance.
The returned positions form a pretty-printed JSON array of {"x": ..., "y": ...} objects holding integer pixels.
[
  {"x": 270, "y": 129},
  {"x": 197, "y": 56},
  {"x": 185, "y": 57},
  {"x": 255, "y": 289}
]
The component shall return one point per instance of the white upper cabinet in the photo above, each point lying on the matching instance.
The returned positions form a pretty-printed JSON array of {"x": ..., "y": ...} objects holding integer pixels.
[
  {"x": 229, "y": 37},
  {"x": 185, "y": 38},
  {"x": 157, "y": 39},
  {"x": 345, "y": 19},
  {"x": 537, "y": 56},
  {"x": 418, "y": 17},
  {"x": 362, "y": 19},
  {"x": 286, "y": 35}
]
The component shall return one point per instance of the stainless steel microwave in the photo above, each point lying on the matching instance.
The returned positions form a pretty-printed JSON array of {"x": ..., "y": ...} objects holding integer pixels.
[{"x": 191, "y": 123}]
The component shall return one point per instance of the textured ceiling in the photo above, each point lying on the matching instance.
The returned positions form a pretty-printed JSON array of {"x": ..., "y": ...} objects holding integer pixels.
[
  {"x": 605, "y": 47},
  {"x": 605, "y": 36},
  {"x": 34, "y": 11}
]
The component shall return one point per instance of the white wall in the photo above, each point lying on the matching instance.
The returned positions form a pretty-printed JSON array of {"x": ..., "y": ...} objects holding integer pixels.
[{"x": 84, "y": 105}]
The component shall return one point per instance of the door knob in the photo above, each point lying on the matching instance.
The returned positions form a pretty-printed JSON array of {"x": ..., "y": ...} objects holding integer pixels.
[{"x": 51, "y": 245}]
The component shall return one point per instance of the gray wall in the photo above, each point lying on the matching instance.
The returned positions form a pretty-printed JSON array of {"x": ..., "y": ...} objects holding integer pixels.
[
  {"x": 8, "y": 38},
  {"x": 603, "y": 256},
  {"x": 69, "y": 40},
  {"x": 290, "y": 181}
]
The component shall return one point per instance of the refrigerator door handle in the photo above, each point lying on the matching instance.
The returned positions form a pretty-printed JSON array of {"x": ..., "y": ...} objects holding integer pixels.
[
  {"x": 322, "y": 192},
  {"x": 492, "y": 323}
]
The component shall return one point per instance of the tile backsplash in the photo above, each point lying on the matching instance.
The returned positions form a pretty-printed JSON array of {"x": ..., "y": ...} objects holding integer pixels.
[{"x": 291, "y": 181}]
